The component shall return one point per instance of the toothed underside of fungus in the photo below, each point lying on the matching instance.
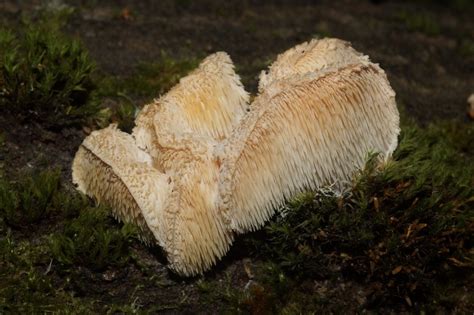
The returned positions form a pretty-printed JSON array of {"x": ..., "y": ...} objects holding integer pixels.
[
  {"x": 198, "y": 168},
  {"x": 315, "y": 131},
  {"x": 110, "y": 168},
  {"x": 183, "y": 127},
  {"x": 198, "y": 232}
]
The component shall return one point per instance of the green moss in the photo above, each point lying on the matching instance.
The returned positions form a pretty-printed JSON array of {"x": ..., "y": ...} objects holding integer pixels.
[
  {"x": 40, "y": 273},
  {"x": 26, "y": 285},
  {"x": 402, "y": 232},
  {"x": 90, "y": 240},
  {"x": 222, "y": 294},
  {"x": 49, "y": 77},
  {"x": 29, "y": 200},
  {"x": 45, "y": 75},
  {"x": 36, "y": 269}
]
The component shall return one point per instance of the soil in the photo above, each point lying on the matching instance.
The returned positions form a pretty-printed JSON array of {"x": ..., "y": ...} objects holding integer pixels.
[{"x": 431, "y": 74}]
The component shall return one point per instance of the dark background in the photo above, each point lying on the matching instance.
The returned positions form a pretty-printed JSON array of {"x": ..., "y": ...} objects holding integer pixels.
[{"x": 426, "y": 47}]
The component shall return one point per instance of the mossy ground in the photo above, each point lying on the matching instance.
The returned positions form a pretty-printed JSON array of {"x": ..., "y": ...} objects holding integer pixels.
[
  {"x": 398, "y": 240},
  {"x": 45, "y": 76}
]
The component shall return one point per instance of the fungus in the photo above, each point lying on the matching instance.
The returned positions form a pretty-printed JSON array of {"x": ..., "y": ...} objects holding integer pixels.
[
  {"x": 313, "y": 56},
  {"x": 198, "y": 168},
  {"x": 470, "y": 101},
  {"x": 110, "y": 168},
  {"x": 185, "y": 125},
  {"x": 177, "y": 134},
  {"x": 305, "y": 132},
  {"x": 207, "y": 103}
]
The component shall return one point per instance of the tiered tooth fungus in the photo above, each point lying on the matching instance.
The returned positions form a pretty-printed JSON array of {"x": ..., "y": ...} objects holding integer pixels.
[{"x": 202, "y": 164}]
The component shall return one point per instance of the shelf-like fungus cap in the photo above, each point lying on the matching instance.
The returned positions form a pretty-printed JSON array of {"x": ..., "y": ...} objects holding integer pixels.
[
  {"x": 110, "y": 168},
  {"x": 317, "y": 55},
  {"x": 211, "y": 98},
  {"x": 305, "y": 132},
  {"x": 209, "y": 102}
]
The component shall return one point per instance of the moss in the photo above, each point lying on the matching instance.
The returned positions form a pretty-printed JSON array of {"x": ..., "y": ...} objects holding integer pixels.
[
  {"x": 223, "y": 294},
  {"x": 400, "y": 236},
  {"x": 45, "y": 75},
  {"x": 26, "y": 285},
  {"x": 40, "y": 272},
  {"x": 29, "y": 283},
  {"x": 90, "y": 240},
  {"x": 49, "y": 77},
  {"x": 29, "y": 200}
]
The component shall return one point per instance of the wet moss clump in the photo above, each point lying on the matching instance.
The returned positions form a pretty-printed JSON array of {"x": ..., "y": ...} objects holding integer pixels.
[
  {"x": 42, "y": 263},
  {"x": 91, "y": 240},
  {"x": 403, "y": 231},
  {"x": 26, "y": 284},
  {"x": 45, "y": 75},
  {"x": 29, "y": 199}
]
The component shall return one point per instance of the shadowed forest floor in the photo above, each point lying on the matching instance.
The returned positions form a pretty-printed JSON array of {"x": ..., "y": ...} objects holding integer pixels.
[{"x": 141, "y": 48}]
